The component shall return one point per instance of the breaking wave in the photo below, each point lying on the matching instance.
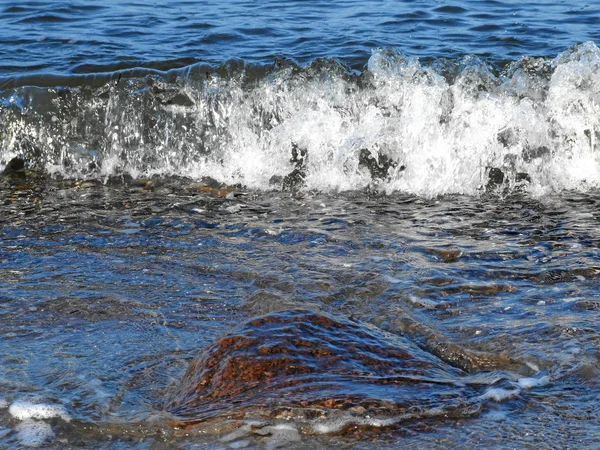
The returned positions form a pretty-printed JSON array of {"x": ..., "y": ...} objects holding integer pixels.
[{"x": 426, "y": 128}]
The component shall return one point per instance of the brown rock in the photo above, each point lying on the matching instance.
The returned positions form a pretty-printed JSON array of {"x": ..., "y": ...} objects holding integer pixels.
[{"x": 305, "y": 359}]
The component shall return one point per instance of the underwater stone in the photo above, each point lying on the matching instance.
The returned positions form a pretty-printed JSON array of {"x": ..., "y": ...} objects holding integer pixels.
[
  {"x": 16, "y": 164},
  {"x": 305, "y": 359}
]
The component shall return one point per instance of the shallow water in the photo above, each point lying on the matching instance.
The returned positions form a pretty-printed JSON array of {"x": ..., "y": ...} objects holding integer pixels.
[
  {"x": 109, "y": 291},
  {"x": 299, "y": 224}
]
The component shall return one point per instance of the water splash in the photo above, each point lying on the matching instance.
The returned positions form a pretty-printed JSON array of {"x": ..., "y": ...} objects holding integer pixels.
[{"x": 448, "y": 126}]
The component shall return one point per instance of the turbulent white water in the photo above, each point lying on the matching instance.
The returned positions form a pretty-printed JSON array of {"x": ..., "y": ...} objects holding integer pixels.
[{"x": 448, "y": 126}]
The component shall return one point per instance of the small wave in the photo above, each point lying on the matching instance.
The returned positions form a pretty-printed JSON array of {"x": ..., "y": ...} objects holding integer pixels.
[
  {"x": 435, "y": 128},
  {"x": 45, "y": 18}
]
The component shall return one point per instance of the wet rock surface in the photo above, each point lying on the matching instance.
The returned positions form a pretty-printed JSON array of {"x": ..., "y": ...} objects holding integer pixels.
[
  {"x": 299, "y": 160},
  {"x": 304, "y": 359},
  {"x": 379, "y": 166},
  {"x": 15, "y": 165}
]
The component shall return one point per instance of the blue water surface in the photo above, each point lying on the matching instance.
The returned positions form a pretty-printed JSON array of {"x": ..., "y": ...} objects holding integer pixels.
[{"x": 95, "y": 36}]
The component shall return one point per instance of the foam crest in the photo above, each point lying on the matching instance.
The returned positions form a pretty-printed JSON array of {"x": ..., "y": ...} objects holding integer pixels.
[
  {"x": 445, "y": 127},
  {"x": 25, "y": 410},
  {"x": 530, "y": 383},
  {"x": 500, "y": 394},
  {"x": 32, "y": 431}
]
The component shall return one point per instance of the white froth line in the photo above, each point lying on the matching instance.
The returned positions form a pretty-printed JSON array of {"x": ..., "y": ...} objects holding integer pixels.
[
  {"x": 333, "y": 426},
  {"x": 499, "y": 394},
  {"x": 528, "y": 383},
  {"x": 23, "y": 410}
]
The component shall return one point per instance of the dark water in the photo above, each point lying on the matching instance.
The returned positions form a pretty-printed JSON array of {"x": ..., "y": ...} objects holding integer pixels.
[{"x": 299, "y": 224}]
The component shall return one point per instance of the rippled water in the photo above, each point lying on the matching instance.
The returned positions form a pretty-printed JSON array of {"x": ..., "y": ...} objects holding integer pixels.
[
  {"x": 109, "y": 291},
  {"x": 83, "y": 37},
  {"x": 299, "y": 224}
]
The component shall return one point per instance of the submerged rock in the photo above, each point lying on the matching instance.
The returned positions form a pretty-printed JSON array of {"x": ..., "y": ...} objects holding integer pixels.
[
  {"x": 15, "y": 165},
  {"x": 379, "y": 166},
  {"x": 299, "y": 160},
  {"x": 307, "y": 364},
  {"x": 497, "y": 179}
]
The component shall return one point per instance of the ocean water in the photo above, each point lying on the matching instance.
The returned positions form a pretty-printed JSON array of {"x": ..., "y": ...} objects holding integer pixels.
[{"x": 299, "y": 224}]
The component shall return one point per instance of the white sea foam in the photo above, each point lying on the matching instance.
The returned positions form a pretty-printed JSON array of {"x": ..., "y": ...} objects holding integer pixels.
[
  {"x": 499, "y": 394},
  {"x": 33, "y": 433},
  {"x": 279, "y": 435},
  {"x": 24, "y": 410},
  {"x": 538, "y": 121},
  {"x": 529, "y": 383},
  {"x": 330, "y": 426},
  {"x": 282, "y": 435}
]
